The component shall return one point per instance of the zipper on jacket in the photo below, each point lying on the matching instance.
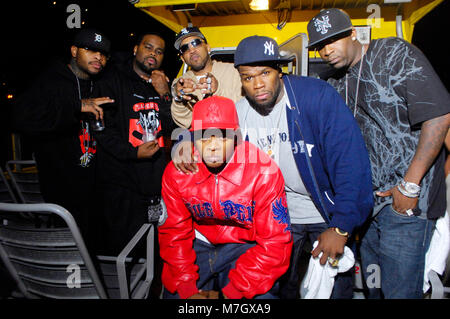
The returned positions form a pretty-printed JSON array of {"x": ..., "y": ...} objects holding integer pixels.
[{"x": 216, "y": 195}]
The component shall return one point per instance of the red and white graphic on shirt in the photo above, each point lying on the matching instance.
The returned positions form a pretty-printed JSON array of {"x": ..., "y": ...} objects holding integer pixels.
[
  {"x": 87, "y": 144},
  {"x": 147, "y": 124}
]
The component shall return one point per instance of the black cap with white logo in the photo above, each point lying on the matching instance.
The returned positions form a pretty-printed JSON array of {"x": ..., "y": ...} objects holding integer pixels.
[
  {"x": 93, "y": 40},
  {"x": 327, "y": 24}
]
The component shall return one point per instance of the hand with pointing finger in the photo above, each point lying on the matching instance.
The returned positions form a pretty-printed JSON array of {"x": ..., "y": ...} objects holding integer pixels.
[{"x": 92, "y": 105}]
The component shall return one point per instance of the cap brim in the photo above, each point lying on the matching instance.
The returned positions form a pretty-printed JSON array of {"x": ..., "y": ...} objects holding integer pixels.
[
  {"x": 315, "y": 43},
  {"x": 281, "y": 60},
  {"x": 187, "y": 35}
]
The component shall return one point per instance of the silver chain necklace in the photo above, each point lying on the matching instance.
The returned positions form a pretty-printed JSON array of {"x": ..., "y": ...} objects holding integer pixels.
[{"x": 357, "y": 83}]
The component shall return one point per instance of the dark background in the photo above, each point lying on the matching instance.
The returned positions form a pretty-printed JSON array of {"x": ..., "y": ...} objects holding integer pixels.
[{"x": 34, "y": 33}]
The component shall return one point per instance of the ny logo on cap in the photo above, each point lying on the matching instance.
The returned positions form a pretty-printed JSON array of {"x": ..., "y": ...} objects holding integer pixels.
[
  {"x": 98, "y": 37},
  {"x": 268, "y": 48},
  {"x": 322, "y": 26}
]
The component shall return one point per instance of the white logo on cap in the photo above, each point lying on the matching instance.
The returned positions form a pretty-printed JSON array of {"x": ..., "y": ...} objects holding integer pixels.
[
  {"x": 184, "y": 31},
  {"x": 98, "y": 37},
  {"x": 322, "y": 26},
  {"x": 268, "y": 48}
]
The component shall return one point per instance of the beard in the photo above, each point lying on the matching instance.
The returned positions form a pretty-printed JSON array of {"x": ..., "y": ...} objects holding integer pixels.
[
  {"x": 144, "y": 68},
  {"x": 265, "y": 108},
  {"x": 200, "y": 66}
]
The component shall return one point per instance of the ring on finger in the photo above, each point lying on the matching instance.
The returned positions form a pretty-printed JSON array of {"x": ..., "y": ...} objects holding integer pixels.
[
  {"x": 333, "y": 262},
  {"x": 182, "y": 92}
]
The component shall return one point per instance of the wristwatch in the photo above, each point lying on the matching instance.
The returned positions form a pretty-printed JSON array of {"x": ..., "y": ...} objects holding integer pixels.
[
  {"x": 340, "y": 232},
  {"x": 409, "y": 189}
]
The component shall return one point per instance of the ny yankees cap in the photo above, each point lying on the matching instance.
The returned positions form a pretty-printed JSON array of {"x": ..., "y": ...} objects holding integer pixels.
[
  {"x": 215, "y": 112},
  {"x": 327, "y": 24},
  {"x": 187, "y": 32},
  {"x": 257, "y": 49},
  {"x": 93, "y": 40}
]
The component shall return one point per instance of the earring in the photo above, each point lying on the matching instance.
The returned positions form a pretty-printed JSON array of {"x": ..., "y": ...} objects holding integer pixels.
[{"x": 353, "y": 38}]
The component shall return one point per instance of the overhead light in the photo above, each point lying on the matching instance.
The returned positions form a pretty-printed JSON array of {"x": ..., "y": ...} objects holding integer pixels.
[
  {"x": 258, "y": 5},
  {"x": 396, "y": 1}
]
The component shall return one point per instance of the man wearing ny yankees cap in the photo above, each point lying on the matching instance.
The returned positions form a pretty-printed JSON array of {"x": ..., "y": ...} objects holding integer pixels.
[{"x": 304, "y": 125}]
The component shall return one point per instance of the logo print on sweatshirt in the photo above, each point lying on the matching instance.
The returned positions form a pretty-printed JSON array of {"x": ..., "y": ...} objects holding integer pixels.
[
  {"x": 202, "y": 210},
  {"x": 280, "y": 213},
  {"x": 239, "y": 212},
  {"x": 88, "y": 145},
  {"x": 147, "y": 124}
]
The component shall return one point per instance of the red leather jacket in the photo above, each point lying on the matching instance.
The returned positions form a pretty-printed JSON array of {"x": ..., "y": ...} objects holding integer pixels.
[{"x": 248, "y": 199}]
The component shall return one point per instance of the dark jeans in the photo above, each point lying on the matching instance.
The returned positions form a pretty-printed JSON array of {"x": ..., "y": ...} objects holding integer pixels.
[
  {"x": 393, "y": 254},
  {"x": 289, "y": 282},
  {"x": 214, "y": 263}
]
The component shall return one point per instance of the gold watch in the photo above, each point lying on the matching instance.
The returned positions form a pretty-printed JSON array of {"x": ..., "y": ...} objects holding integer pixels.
[{"x": 340, "y": 232}]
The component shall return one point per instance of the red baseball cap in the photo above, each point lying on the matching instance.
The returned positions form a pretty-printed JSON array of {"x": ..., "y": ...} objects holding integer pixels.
[{"x": 214, "y": 112}]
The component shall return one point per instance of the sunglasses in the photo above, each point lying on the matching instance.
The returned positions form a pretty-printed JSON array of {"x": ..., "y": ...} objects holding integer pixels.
[{"x": 194, "y": 43}]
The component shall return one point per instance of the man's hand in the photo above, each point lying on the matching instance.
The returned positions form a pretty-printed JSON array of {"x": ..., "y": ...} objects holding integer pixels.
[
  {"x": 147, "y": 150},
  {"x": 331, "y": 244},
  {"x": 160, "y": 82},
  {"x": 400, "y": 202},
  {"x": 208, "y": 84},
  {"x": 92, "y": 105},
  {"x": 185, "y": 89},
  {"x": 184, "y": 159}
]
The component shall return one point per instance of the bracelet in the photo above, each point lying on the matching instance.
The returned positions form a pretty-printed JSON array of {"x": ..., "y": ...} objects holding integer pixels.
[
  {"x": 175, "y": 97},
  {"x": 340, "y": 232},
  {"x": 406, "y": 193}
]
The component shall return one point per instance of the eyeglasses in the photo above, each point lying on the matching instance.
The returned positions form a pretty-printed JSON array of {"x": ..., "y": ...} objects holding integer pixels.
[{"x": 194, "y": 43}]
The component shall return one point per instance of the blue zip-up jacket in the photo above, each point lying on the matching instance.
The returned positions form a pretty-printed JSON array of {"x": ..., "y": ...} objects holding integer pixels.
[{"x": 336, "y": 171}]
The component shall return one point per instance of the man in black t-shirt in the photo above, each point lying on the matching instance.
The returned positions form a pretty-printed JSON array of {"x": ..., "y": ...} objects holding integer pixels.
[{"x": 403, "y": 110}]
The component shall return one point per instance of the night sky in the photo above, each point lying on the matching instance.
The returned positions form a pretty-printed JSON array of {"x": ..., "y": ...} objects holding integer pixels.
[{"x": 34, "y": 33}]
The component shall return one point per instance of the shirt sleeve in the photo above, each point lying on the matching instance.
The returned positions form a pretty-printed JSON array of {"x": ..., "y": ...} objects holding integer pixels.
[
  {"x": 46, "y": 107},
  {"x": 176, "y": 237},
  {"x": 416, "y": 81}
]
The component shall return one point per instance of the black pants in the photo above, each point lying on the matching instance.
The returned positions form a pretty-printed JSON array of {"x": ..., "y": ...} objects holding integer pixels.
[{"x": 123, "y": 212}]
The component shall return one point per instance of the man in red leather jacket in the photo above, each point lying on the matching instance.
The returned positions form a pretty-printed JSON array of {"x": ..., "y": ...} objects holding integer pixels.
[{"x": 228, "y": 227}]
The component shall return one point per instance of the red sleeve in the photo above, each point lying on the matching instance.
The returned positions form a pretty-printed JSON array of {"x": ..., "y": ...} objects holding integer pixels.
[
  {"x": 176, "y": 237},
  {"x": 259, "y": 267}
]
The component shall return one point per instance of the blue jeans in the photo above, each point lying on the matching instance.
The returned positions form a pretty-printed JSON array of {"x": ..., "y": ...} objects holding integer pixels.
[
  {"x": 393, "y": 254},
  {"x": 289, "y": 282},
  {"x": 215, "y": 262}
]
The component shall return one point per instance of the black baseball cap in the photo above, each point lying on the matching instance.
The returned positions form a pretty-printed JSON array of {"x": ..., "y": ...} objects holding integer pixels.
[
  {"x": 257, "y": 49},
  {"x": 327, "y": 24},
  {"x": 187, "y": 32},
  {"x": 93, "y": 40}
]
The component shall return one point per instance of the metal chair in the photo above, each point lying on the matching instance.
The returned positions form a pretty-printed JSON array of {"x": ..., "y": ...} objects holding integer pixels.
[
  {"x": 25, "y": 180},
  {"x": 438, "y": 291},
  {"x": 6, "y": 193},
  {"x": 53, "y": 262}
]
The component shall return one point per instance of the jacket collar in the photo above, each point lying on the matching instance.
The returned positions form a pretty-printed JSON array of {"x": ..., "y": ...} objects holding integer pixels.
[{"x": 233, "y": 171}]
